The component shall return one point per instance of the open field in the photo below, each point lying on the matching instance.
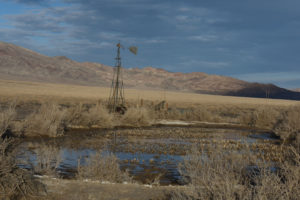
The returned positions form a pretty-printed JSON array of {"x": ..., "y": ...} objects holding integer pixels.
[{"x": 46, "y": 91}]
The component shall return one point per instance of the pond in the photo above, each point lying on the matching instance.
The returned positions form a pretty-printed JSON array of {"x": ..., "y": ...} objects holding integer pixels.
[{"x": 146, "y": 153}]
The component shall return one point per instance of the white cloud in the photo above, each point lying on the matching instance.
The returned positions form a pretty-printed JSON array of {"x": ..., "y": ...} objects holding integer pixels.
[
  {"x": 110, "y": 35},
  {"x": 204, "y": 64},
  {"x": 182, "y": 18},
  {"x": 154, "y": 41},
  {"x": 203, "y": 38},
  {"x": 184, "y": 9}
]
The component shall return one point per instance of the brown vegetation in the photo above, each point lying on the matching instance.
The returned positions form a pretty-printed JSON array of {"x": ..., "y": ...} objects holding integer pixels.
[
  {"x": 213, "y": 173},
  {"x": 51, "y": 118},
  {"x": 218, "y": 173},
  {"x": 6, "y": 119},
  {"x": 136, "y": 117},
  {"x": 89, "y": 116},
  {"x": 47, "y": 121},
  {"x": 99, "y": 116},
  {"x": 288, "y": 126},
  {"x": 102, "y": 167},
  {"x": 16, "y": 183},
  {"x": 47, "y": 161}
]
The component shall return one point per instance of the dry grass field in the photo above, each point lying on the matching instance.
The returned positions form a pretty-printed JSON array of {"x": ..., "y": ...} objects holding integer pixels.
[
  {"x": 52, "y": 107},
  {"x": 47, "y": 91}
]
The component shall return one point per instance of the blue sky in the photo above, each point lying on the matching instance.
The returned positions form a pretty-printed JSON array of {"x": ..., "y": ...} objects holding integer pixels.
[{"x": 254, "y": 40}]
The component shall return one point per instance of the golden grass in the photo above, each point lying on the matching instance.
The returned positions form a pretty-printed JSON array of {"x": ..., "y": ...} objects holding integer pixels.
[{"x": 47, "y": 91}]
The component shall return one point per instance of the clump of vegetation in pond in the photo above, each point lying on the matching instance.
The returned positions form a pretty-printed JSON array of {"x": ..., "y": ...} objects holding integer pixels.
[{"x": 102, "y": 167}]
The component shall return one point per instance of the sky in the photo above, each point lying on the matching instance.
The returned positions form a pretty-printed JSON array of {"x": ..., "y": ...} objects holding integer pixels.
[{"x": 253, "y": 40}]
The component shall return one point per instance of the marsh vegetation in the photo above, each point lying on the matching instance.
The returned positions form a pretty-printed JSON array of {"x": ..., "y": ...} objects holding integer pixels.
[{"x": 251, "y": 153}]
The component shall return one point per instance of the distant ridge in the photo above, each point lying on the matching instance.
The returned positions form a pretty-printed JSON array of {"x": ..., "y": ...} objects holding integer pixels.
[
  {"x": 296, "y": 90},
  {"x": 19, "y": 63}
]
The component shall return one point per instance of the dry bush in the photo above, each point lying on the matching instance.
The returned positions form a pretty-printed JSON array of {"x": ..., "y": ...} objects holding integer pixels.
[
  {"x": 6, "y": 118},
  {"x": 248, "y": 119},
  {"x": 213, "y": 174},
  {"x": 16, "y": 183},
  {"x": 285, "y": 183},
  {"x": 47, "y": 161},
  {"x": 190, "y": 114},
  {"x": 136, "y": 117},
  {"x": 266, "y": 117},
  {"x": 288, "y": 126},
  {"x": 95, "y": 116},
  {"x": 218, "y": 174},
  {"x": 47, "y": 121},
  {"x": 261, "y": 117},
  {"x": 75, "y": 115},
  {"x": 102, "y": 167},
  {"x": 99, "y": 116},
  {"x": 199, "y": 114}
]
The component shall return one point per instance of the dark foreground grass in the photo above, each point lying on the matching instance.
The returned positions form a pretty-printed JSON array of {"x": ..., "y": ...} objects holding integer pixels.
[
  {"x": 16, "y": 183},
  {"x": 215, "y": 173}
]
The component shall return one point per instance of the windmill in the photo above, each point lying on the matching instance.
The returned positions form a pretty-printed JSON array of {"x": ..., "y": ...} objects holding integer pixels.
[{"x": 116, "y": 101}]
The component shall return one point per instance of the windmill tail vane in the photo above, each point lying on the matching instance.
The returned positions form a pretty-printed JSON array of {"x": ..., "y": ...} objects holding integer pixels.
[{"x": 133, "y": 49}]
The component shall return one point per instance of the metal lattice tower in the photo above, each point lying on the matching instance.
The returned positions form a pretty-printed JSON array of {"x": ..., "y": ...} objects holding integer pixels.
[{"x": 116, "y": 101}]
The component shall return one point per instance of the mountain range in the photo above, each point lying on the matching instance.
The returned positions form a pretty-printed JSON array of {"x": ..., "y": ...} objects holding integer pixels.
[{"x": 18, "y": 63}]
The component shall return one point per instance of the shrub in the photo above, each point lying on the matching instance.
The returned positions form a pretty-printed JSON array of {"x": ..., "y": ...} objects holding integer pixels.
[
  {"x": 136, "y": 117},
  {"x": 98, "y": 116},
  {"x": 16, "y": 183},
  {"x": 47, "y": 161},
  {"x": 288, "y": 126},
  {"x": 262, "y": 117},
  {"x": 6, "y": 119},
  {"x": 214, "y": 173},
  {"x": 75, "y": 115},
  {"x": 102, "y": 167},
  {"x": 47, "y": 121},
  {"x": 266, "y": 117}
]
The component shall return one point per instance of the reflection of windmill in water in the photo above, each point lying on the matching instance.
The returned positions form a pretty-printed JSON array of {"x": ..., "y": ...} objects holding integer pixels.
[{"x": 116, "y": 101}]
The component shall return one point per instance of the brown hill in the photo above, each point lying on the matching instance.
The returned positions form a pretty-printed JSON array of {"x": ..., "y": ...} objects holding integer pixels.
[{"x": 23, "y": 64}]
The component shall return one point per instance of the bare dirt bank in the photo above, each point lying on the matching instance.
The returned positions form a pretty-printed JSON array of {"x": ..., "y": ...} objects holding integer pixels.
[{"x": 90, "y": 190}]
